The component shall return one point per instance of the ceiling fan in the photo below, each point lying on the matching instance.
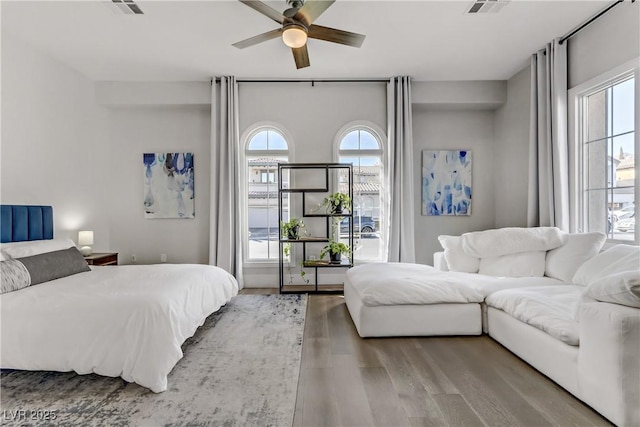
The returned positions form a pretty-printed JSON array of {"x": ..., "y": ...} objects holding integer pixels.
[{"x": 297, "y": 26}]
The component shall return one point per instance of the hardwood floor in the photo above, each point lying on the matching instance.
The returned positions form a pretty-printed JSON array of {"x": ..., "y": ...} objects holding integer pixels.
[{"x": 435, "y": 381}]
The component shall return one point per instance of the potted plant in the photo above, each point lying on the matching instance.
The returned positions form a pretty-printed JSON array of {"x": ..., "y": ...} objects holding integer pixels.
[
  {"x": 335, "y": 251},
  {"x": 337, "y": 202},
  {"x": 291, "y": 229}
]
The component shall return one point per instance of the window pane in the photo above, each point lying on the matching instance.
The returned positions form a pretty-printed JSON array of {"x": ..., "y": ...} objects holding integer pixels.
[
  {"x": 623, "y": 107},
  {"x": 350, "y": 142},
  {"x": 258, "y": 141},
  {"x": 624, "y": 159},
  {"x": 262, "y": 207},
  {"x": 623, "y": 213},
  {"x": 368, "y": 141},
  {"x": 596, "y": 117},
  {"x": 276, "y": 141},
  {"x": 367, "y": 189}
]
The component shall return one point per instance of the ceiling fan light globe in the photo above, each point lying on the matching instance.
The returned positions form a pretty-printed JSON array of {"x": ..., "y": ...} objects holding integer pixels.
[{"x": 294, "y": 36}]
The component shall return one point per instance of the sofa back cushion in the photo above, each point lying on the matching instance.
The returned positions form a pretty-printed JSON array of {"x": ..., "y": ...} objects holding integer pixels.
[
  {"x": 617, "y": 259},
  {"x": 456, "y": 259},
  {"x": 523, "y": 264},
  {"x": 563, "y": 262},
  {"x": 511, "y": 240}
]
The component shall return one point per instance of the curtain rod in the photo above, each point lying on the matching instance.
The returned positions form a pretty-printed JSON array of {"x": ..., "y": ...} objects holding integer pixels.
[
  {"x": 598, "y": 15},
  {"x": 312, "y": 81}
]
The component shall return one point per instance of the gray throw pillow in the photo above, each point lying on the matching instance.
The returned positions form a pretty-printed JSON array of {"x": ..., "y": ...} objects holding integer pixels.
[{"x": 54, "y": 265}]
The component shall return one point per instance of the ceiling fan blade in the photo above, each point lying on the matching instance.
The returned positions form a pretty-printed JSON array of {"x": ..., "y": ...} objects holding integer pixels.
[
  {"x": 301, "y": 56},
  {"x": 259, "y": 38},
  {"x": 265, "y": 10},
  {"x": 311, "y": 10},
  {"x": 335, "y": 36}
]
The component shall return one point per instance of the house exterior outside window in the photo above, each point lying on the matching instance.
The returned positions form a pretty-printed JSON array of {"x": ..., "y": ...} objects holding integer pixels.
[
  {"x": 607, "y": 184},
  {"x": 266, "y": 146}
]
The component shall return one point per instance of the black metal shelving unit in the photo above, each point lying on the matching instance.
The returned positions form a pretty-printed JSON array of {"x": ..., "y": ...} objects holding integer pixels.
[{"x": 329, "y": 187}]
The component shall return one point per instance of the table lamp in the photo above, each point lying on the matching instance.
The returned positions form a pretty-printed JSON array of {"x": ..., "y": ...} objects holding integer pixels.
[{"x": 85, "y": 240}]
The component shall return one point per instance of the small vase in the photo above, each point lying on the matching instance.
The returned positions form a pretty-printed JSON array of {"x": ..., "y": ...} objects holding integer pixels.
[
  {"x": 337, "y": 209},
  {"x": 336, "y": 258}
]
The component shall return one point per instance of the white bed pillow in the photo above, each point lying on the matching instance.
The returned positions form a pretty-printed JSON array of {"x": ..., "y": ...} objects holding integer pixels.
[
  {"x": 35, "y": 247},
  {"x": 523, "y": 264},
  {"x": 619, "y": 288},
  {"x": 563, "y": 262},
  {"x": 616, "y": 259},
  {"x": 456, "y": 259}
]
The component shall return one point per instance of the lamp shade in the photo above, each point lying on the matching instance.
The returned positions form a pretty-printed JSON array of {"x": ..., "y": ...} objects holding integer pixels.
[
  {"x": 294, "y": 36},
  {"x": 85, "y": 238}
]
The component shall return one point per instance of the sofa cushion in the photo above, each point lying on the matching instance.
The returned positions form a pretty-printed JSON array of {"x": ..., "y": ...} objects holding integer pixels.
[
  {"x": 616, "y": 259},
  {"x": 563, "y": 262},
  {"x": 510, "y": 240},
  {"x": 456, "y": 259},
  {"x": 619, "y": 288},
  {"x": 523, "y": 264},
  {"x": 548, "y": 308}
]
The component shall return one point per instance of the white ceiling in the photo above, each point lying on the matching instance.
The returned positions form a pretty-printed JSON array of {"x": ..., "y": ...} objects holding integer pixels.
[{"x": 191, "y": 40}]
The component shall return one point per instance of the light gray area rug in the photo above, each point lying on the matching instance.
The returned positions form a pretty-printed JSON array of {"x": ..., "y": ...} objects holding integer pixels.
[{"x": 241, "y": 368}]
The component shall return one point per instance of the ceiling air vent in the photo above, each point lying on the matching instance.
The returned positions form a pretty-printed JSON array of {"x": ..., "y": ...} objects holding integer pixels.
[
  {"x": 487, "y": 6},
  {"x": 128, "y": 7}
]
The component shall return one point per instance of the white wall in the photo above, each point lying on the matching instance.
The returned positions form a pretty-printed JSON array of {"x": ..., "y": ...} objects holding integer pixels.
[
  {"x": 312, "y": 114},
  {"x": 511, "y": 153},
  {"x": 476, "y": 94},
  {"x": 53, "y": 144},
  {"x": 154, "y": 129},
  {"x": 435, "y": 129},
  {"x": 613, "y": 39}
]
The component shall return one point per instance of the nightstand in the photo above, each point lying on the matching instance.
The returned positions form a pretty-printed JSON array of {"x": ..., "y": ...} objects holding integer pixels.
[{"x": 102, "y": 258}]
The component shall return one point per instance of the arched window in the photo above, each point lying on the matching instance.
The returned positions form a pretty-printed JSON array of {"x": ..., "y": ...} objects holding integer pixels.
[
  {"x": 266, "y": 146},
  {"x": 362, "y": 146}
]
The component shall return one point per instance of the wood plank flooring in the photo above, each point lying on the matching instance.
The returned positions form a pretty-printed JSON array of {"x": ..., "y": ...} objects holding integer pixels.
[{"x": 435, "y": 381}]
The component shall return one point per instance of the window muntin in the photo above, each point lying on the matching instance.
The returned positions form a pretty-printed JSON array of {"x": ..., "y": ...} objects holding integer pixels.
[
  {"x": 266, "y": 148},
  {"x": 362, "y": 148},
  {"x": 608, "y": 149}
]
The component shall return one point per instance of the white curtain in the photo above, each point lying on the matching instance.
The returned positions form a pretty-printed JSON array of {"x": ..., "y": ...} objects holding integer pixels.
[
  {"x": 399, "y": 196},
  {"x": 548, "y": 203},
  {"x": 225, "y": 249}
]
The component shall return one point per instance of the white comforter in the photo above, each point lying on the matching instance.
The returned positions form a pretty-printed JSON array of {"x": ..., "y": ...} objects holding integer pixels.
[
  {"x": 551, "y": 309},
  {"x": 403, "y": 283},
  {"x": 126, "y": 321}
]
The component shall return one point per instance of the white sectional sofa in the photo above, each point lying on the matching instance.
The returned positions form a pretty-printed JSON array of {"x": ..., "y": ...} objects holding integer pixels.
[{"x": 551, "y": 298}]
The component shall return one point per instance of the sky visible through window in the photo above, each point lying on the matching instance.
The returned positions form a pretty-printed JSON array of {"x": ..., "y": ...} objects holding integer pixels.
[{"x": 621, "y": 120}]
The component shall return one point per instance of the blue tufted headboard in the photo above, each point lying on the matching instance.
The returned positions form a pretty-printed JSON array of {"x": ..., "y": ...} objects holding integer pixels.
[{"x": 24, "y": 222}]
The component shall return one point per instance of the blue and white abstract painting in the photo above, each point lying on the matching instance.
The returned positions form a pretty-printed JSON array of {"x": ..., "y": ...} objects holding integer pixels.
[
  {"x": 446, "y": 182},
  {"x": 168, "y": 185}
]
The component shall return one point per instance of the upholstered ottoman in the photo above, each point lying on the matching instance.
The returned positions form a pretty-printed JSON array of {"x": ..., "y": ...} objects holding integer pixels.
[{"x": 397, "y": 299}]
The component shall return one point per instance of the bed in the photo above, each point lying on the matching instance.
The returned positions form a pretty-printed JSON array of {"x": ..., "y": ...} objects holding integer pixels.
[{"x": 118, "y": 321}]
